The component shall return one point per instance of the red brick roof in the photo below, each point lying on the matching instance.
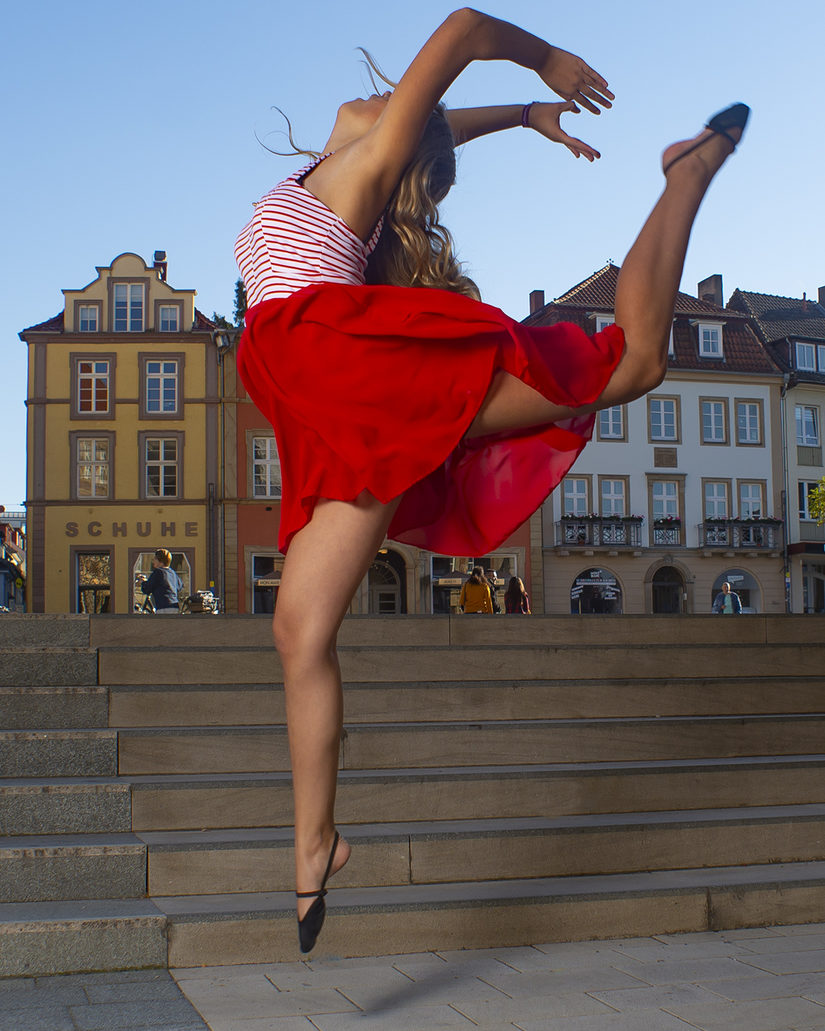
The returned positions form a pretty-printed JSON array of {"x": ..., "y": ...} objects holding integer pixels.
[
  {"x": 779, "y": 317},
  {"x": 743, "y": 352}
]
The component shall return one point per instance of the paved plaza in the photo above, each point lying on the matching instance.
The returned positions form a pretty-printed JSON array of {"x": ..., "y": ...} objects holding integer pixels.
[{"x": 760, "y": 979}]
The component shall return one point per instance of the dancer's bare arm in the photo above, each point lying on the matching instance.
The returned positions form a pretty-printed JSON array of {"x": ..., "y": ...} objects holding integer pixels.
[
  {"x": 359, "y": 179},
  {"x": 469, "y": 123}
]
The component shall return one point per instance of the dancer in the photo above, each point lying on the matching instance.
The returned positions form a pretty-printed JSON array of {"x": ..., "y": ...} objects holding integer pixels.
[{"x": 407, "y": 408}]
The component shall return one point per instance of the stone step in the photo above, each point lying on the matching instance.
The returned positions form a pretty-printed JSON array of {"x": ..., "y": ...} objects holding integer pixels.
[
  {"x": 492, "y": 792},
  {"x": 256, "y": 860},
  {"x": 260, "y": 928},
  {"x": 413, "y": 630},
  {"x": 54, "y": 805},
  {"x": 38, "y": 630},
  {"x": 48, "y": 708},
  {"x": 471, "y": 663},
  {"x": 80, "y": 866},
  {"x": 40, "y": 938},
  {"x": 58, "y": 753},
  {"x": 43, "y": 667},
  {"x": 370, "y": 746},
  {"x": 192, "y": 705}
]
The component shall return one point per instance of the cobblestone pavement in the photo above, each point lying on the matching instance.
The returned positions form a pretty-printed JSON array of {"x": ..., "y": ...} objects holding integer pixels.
[{"x": 761, "y": 979}]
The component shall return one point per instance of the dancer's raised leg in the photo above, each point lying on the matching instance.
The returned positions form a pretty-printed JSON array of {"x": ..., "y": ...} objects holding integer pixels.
[
  {"x": 326, "y": 561},
  {"x": 645, "y": 295}
]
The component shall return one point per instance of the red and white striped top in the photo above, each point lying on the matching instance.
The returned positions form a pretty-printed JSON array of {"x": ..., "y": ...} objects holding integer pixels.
[{"x": 293, "y": 240}]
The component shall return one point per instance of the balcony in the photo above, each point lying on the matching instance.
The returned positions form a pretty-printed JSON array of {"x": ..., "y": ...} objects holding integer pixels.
[
  {"x": 741, "y": 534},
  {"x": 667, "y": 533},
  {"x": 599, "y": 532}
]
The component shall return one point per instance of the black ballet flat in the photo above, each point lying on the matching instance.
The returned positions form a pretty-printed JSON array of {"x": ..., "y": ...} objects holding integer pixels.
[
  {"x": 310, "y": 926},
  {"x": 733, "y": 117}
]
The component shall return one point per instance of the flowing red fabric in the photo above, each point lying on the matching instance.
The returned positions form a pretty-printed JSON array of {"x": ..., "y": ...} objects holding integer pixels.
[{"x": 373, "y": 388}]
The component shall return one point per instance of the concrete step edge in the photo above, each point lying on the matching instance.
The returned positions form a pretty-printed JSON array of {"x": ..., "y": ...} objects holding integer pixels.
[{"x": 184, "y": 909}]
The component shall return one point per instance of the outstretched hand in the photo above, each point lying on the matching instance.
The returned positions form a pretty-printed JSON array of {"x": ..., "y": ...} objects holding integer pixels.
[
  {"x": 574, "y": 79},
  {"x": 545, "y": 118}
]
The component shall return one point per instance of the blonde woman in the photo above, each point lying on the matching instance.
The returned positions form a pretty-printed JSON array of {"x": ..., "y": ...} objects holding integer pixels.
[{"x": 402, "y": 405}]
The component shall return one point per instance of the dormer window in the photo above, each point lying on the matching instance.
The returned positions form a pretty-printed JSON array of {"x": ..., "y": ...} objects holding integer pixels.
[
  {"x": 87, "y": 318},
  {"x": 128, "y": 301},
  {"x": 603, "y": 321},
  {"x": 710, "y": 340},
  {"x": 810, "y": 357}
]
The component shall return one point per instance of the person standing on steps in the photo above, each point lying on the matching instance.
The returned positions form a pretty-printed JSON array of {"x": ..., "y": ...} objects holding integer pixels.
[
  {"x": 515, "y": 598},
  {"x": 352, "y": 283},
  {"x": 475, "y": 594},
  {"x": 492, "y": 583}
]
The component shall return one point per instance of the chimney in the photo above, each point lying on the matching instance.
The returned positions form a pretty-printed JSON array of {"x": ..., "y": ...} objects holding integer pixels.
[
  {"x": 160, "y": 265},
  {"x": 710, "y": 290},
  {"x": 804, "y": 301},
  {"x": 822, "y": 295},
  {"x": 537, "y": 300}
]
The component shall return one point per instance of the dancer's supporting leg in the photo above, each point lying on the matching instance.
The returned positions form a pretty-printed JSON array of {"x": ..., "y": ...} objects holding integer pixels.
[
  {"x": 645, "y": 295},
  {"x": 325, "y": 563}
]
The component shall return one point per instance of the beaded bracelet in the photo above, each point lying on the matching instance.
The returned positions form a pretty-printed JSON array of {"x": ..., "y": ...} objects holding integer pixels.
[{"x": 525, "y": 114}]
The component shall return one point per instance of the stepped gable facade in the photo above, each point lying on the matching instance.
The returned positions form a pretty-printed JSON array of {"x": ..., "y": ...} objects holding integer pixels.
[
  {"x": 792, "y": 331},
  {"x": 679, "y": 490}
]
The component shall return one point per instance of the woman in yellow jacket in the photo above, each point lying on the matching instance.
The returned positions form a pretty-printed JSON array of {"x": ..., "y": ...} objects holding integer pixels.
[{"x": 475, "y": 594}]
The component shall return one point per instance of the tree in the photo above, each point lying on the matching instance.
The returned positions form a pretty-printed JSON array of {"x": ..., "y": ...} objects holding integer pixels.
[
  {"x": 816, "y": 502},
  {"x": 240, "y": 303}
]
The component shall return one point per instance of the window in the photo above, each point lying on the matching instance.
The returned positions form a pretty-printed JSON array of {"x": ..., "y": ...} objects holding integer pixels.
[
  {"x": 714, "y": 422},
  {"x": 168, "y": 320},
  {"x": 611, "y": 423},
  {"x": 160, "y": 457},
  {"x": 663, "y": 418},
  {"x": 805, "y": 489},
  {"x": 92, "y": 456},
  {"x": 575, "y": 496},
  {"x": 807, "y": 425},
  {"x": 665, "y": 494},
  {"x": 161, "y": 387},
  {"x": 748, "y": 422},
  {"x": 750, "y": 500},
  {"x": 710, "y": 340},
  {"x": 92, "y": 575},
  {"x": 613, "y": 497},
  {"x": 266, "y": 468},
  {"x": 87, "y": 321},
  {"x": 92, "y": 386},
  {"x": 603, "y": 321},
  {"x": 805, "y": 357},
  {"x": 128, "y": 307},
  {"x": 716, "y": 499}
]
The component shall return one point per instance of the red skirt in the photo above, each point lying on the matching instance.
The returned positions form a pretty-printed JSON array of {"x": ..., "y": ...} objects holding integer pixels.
[{"x": 373, "y": 388}]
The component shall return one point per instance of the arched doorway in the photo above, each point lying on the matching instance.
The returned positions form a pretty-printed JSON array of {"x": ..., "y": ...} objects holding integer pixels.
[
  {"x": 668, "y": 590},
  {"x": 387, "y": 581},
  {"x": 596, "y": 591},
  {"x": 742, "y": 583}
]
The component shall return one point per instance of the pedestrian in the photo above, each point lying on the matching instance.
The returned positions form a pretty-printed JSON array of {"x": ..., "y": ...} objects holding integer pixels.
[
  {"x": 492, "y": 583},
  {"x": 475, "y": 593},
  {"x": 515, "y": 598},
  {"x": 163, "y": 584},
  {"x": 352, "y": 285},
  {"x": 727, "y": 602}
]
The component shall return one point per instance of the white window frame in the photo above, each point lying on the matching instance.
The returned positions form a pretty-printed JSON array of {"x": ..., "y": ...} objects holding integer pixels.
[
  {"x": 803, "y": 439},
  {"x": 90, "y": 313},
  {"x": 572, "y": 496},
  {"x": 804, "y": 488},
  {"x": 747, "y": 497},
  {"x": 99, "y": 485},
  {"x": 713, "y": 419},
  {"x": 173, "y": 322},
  {"x": 751, "y": 421},
  {"x": 808, "y": 362},
  {"x": 133, "y": 302},
  {"x": 609, "y": 420},
  {"x": 94, "y": 376},
  {"x": 163, "y": 377},
  {"x": 603, "y": 321},
  {"x": 265, "y": 459},
  {"x": 161, "y": 463},
  {"x": 659, "y": 407},
  {"x": 710, "y": 340},
  {"x": 665, "y": 495},
  {"x": 715, "y": 503},
  {"x": 612, "y": 502}
]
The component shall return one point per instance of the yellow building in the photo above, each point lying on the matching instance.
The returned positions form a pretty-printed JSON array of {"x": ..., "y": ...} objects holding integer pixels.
[{"x": 123, "y": 441}]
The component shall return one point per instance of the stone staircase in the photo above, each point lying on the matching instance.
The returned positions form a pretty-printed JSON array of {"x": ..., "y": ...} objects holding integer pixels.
[{"x": 503, "y": 781}]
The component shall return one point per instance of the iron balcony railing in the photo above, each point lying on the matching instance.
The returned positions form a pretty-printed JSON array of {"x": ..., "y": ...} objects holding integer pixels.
[
  {"x": 599, "y": 531},
  {"x": 747, "y": 534}
]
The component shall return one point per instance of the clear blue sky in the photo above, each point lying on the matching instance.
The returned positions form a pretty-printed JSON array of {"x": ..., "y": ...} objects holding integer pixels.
[{"x": 133, "y": 128}]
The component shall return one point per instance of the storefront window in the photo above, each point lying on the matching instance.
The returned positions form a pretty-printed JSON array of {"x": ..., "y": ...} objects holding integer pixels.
[
  {"x": 94, "y": 581},
  {"x": 266, "y": 577},
  {"x": 596, "y": 591},
  {"x": 741, "y": 583}
]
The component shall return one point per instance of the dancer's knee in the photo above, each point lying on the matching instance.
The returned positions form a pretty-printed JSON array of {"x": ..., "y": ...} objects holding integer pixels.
[{"x": 298, "y": 638}]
